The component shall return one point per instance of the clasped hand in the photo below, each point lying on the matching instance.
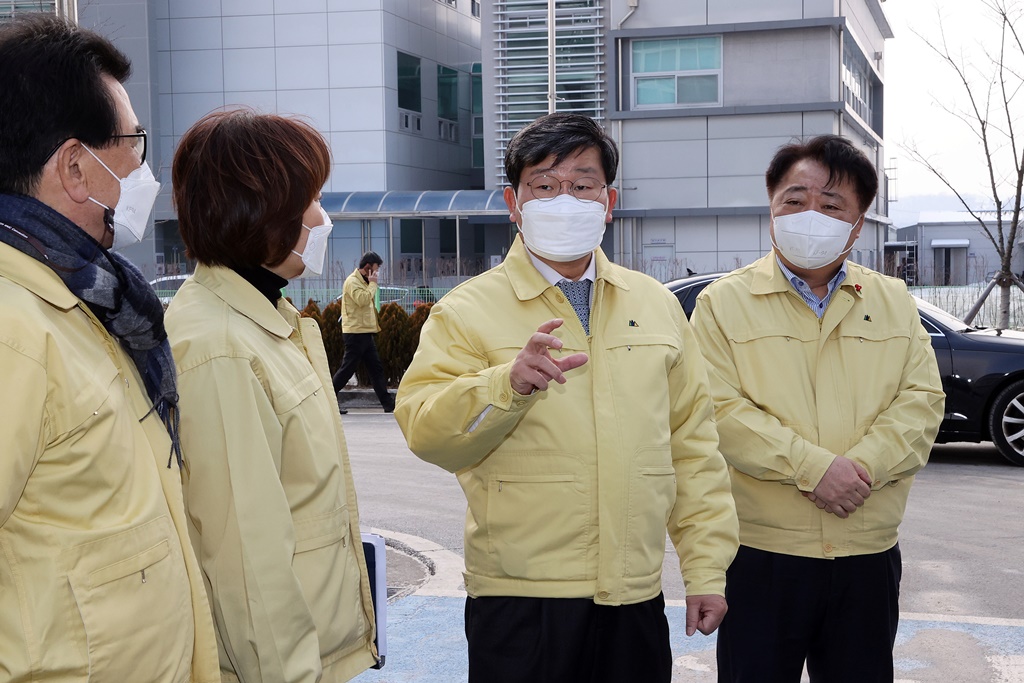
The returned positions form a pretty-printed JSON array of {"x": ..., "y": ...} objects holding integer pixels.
[
  {"x": 844, "y": 488},
  {"x": 535, "y": 367}
]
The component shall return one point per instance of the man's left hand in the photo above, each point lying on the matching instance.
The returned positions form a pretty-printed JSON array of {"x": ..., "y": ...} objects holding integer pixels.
[{"x": 704, "y": 613}]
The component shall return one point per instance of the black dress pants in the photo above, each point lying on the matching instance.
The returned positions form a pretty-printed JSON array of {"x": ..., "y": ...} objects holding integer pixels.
[
  {"x": 567, "y": 640},
  {"x": 839, "y": 615},
  {"x": 361, "y": 348}
]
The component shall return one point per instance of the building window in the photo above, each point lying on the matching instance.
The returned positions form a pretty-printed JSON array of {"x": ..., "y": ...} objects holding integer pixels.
[
  {"x": 447, "y": 93},
  {"x": 409, "y": 83},
  {"x": 475, "y": 6},
  {"x": 521, "y": 65},
  {"x": 450, "y": 3},
  {"x": 448, "y": 235},
  {"x": 677, "y": 72},
  {"x": 859, "y": 85},
  {"x": 411, "y": 235},
  {"x": 478, "y": 116}
]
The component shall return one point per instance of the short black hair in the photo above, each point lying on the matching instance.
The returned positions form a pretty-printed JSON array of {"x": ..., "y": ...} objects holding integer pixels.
[
  {"x": 834, "y": 152},
  {"x": 52, "y": 89},
  {"x": 370, "y": 258},
  {"x": 558, "y": 134}
]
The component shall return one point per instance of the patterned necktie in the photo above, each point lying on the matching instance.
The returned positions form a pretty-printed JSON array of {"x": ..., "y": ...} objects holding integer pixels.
[{"x": 578, "y": 294}]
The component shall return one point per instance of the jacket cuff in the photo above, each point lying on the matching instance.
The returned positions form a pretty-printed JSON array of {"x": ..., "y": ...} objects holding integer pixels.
[
  {"x": 705, "y": 582},
  {"x": 502, "y": 395},
  {"x": 812, "y": 469}
]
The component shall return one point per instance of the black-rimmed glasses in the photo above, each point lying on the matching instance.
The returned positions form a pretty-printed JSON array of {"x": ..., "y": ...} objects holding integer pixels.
[
  {"x": 585, "y": 189},
  {"x": 140, "y": 143}
]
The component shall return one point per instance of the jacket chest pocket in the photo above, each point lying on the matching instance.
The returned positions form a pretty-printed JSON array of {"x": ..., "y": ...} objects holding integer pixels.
[
  {"x": 134, "y": 599},
  {"x": 638, "y": 367}
]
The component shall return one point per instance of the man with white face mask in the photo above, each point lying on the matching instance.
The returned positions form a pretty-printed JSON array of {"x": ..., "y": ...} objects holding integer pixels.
[
  {"x": 569, "y": 397},
  {"x": 828, "y": 399},
  {"x": 98, "y": 580}
]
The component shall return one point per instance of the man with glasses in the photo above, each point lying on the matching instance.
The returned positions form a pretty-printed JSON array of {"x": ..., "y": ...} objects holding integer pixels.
[
  {"x": 570, "y": 399},
  {"x": 98, "y": 579}
]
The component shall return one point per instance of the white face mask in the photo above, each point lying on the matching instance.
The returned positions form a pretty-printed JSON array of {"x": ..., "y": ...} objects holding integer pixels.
[
  {"x": 564, "y": 228},
  {"x": 810, "y": 239},
  {"x": 316, "y": 246},
  {"x": 131, "y": 214}
]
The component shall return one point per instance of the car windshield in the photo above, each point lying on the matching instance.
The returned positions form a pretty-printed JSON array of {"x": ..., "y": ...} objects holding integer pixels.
[{"x": 944, "y": 317}]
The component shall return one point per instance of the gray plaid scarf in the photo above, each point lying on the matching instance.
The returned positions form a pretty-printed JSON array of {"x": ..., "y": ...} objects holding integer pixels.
[{"x": 113, "y": 289}]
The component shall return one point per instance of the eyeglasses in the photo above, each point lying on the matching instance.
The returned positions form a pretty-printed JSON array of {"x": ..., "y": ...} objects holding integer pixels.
[
  {"x": 140, "y": 145},
  {"x": 584, "y": 189}
]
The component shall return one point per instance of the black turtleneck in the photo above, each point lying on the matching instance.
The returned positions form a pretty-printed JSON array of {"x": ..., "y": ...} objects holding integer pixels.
[{"x": 269, "y": 284}]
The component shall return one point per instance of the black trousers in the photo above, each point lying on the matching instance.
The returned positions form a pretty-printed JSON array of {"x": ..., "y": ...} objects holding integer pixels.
[
  {"x": 361, "y": 348},
  {"x": 567, "y": 640},
  {"x": 839, "y": 615}
]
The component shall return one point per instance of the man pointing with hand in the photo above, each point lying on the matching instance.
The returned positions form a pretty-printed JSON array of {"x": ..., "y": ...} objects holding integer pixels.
[{"x": 568, "y": 396}]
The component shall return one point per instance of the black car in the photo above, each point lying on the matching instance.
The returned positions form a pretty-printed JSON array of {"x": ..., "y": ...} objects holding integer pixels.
[{"x": 982, "y": 373}]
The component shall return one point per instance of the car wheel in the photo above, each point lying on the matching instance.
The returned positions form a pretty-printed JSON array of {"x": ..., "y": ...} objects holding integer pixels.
[{"x": 1006, "y": 423}]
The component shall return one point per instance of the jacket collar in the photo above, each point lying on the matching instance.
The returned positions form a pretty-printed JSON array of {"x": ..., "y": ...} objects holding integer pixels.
[
  {"x": 34, "y": 276},
  {"x": 769, "y": 278},
  {"x": 528, "y": 283},
  {"x": 244, "y": 298}
]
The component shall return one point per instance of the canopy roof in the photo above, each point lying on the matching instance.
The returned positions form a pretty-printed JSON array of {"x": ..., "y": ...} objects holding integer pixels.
[{"x": 419, "y": 204}]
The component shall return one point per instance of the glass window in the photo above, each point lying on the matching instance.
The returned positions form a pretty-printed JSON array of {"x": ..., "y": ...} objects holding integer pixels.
[
  {"x": 447, "y": 93},
  {"x": 478, "y": 152},
  {"x": 447, "y": 235},
  {"x": 409, "y": 82},
  {"x": 677, "y": 72},
  {"x": 411, "y": 235}
]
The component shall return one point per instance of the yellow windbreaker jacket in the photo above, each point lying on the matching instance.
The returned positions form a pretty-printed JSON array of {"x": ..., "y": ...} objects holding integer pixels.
[
  {"x": 358, "y": 314},
  {"x": 98, "y": 581},
  {"x": 792, "y": 392},
  {"x": 268, "y": 489},
  {"x": 570, "y": 490}
]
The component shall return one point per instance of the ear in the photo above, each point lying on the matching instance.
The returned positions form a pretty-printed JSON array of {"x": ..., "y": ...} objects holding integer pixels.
[
  {"x": 510, "y": 202},
  {"x": 70, "y": 172},
  {"x": 613, "y": 196},
  {"x": 858, "y": 226}
]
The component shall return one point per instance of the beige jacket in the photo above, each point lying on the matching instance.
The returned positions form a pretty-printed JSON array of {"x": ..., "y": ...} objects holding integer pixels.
[
  {"x": 358, "y": 314},
  {"x": 793, "y": 391},
  {"x": 98, "y": 581},
  {"x": 571, "y": 490},
  {"x": 268, "y": 490}
]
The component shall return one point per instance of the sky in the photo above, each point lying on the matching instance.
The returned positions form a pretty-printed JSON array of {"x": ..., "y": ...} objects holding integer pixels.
[{"x": 916, "y": 81}]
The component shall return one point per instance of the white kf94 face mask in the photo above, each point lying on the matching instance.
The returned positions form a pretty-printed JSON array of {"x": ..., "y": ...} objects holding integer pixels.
[
  {"x": 316, "y": 246},
  {"x": 131, "y": 213},
  {"x": 810, "y": 239},
  {"x": 564, "y": 228}
]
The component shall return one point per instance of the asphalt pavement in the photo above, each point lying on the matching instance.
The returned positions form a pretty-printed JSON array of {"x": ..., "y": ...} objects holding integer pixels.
[{"x": 947, "y": 644}]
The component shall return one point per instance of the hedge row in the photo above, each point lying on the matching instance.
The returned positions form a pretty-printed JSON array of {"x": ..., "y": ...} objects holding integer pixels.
[{"x": 396, "y": 343}]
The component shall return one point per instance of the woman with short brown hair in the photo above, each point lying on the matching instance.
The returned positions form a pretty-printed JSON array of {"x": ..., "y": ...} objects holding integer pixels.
[{"x": 268, "y": 489}]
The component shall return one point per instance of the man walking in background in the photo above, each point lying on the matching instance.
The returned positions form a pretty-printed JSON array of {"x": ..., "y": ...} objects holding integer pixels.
[{"x": 358, "y": 327}]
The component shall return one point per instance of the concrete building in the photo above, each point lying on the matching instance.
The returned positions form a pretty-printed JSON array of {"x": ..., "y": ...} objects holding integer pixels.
[
  {"x": 698, "y": 95},
  {"x": 948, "y": 248}
]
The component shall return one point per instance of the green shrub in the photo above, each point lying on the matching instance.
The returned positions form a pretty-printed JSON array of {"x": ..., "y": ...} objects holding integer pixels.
[
  {"x": 392, "y": 341},
  {"x": 334, "y": 343},
  {"x": 416, "y": 320}
]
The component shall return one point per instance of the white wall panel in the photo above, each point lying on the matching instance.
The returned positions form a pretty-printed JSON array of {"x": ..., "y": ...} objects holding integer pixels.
[{"x": 250, "y": 69}]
